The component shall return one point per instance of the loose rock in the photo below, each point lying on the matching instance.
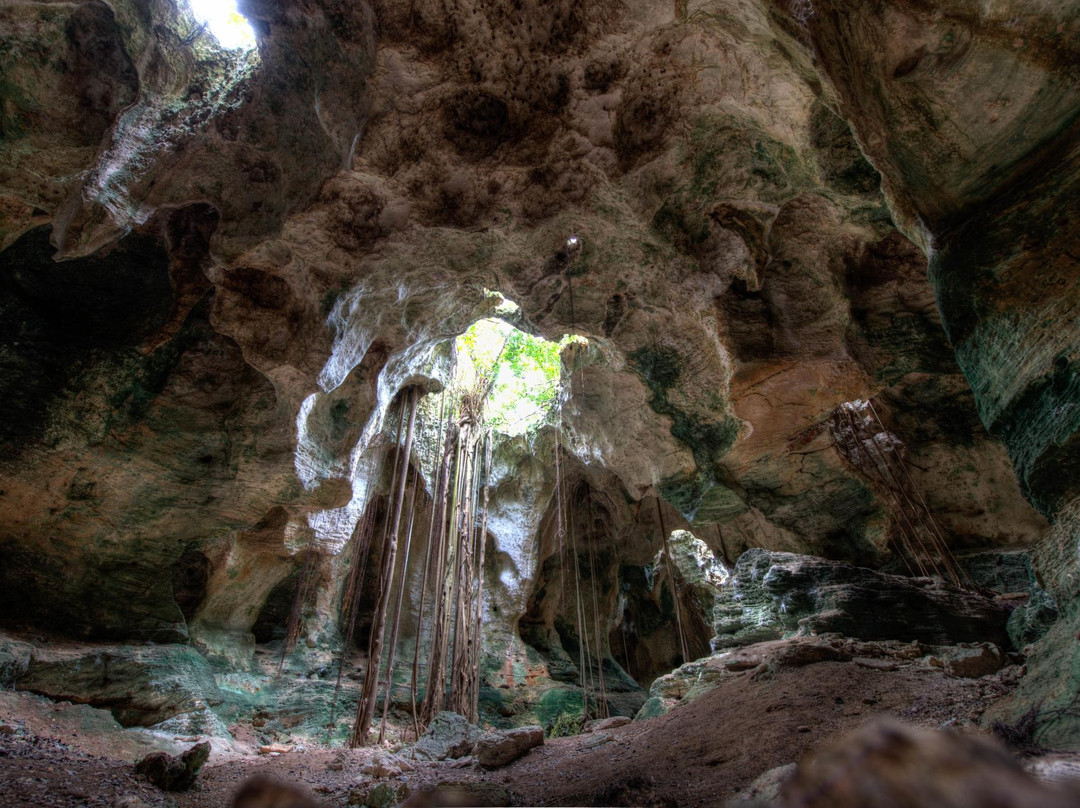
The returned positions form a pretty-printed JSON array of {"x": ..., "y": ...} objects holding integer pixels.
[
  {"x": 767, "y": 787},
  {"x": 380, "y": 795},
  {"x": 975, "y": 661},
  {"x": 174, "y": 774},
  {"x": 600, "y": 724},
  {"x": 385, "y": 764},
  {"x": 448, "y": 735},
  {"x": 499, "y": 748}
]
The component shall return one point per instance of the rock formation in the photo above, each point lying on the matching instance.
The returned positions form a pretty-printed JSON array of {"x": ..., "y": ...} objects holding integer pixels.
[{"x": 821, "y": 253}]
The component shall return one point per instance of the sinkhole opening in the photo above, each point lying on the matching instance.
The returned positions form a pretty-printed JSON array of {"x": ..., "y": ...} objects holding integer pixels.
[
  {"x": 515, "y": 377},
  {"x": 224, "y": 22}
]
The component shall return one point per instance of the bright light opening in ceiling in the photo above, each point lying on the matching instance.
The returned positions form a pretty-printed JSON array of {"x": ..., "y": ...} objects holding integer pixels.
[
  {"x": 524, "y": 373},
  {"x": 224, "y": 22}
]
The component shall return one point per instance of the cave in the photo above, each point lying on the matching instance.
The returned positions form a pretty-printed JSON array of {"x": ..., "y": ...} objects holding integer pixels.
[{"x": 539, "y": 403}]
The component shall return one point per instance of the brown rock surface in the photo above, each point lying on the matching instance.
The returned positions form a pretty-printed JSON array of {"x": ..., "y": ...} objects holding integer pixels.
[
  {"x": 888, "y": 764},
  {"x": 174, "y": 773},
  {"x": 737, "y": 281},
  {"x": 219, "y": 268},
  {"x": 495, "y": 749}
]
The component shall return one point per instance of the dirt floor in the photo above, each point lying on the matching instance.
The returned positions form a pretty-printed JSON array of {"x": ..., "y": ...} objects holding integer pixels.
[{"x": 700, "y": 753}]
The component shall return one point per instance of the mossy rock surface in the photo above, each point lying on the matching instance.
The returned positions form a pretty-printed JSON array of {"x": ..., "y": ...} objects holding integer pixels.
[{"x": 775, "y": 595}]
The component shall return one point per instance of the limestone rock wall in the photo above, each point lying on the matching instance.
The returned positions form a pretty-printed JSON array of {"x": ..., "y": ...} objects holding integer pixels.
[
  {"x": 969, "y": 112},
  {"x": 219, "y": 270}
]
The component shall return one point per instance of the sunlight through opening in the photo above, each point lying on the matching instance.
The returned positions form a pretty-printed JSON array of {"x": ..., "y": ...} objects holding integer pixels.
[
  {"x": 525, "y": 372},
  {"x": 224, "y": 22}
]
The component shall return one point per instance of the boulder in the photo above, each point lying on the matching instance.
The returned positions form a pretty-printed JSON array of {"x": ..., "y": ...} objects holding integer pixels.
[
  {"x": 460, "y": 795},
  {"x": 774, "y": 595},
  {"x": 500, "y": 748},
  {"x": 689, "y": 681},
  {"x": 888, "y": 763},
  {"x": 385, "y": 764},
  {"x": 973, "y": 661},
  {"x": 448, "y": 735},
  {"x": 600, "y": 724},
  {"x": 140, "y": 685},
  {"x": 380, "y": 795},
  {"x": 174, "y": 773}
]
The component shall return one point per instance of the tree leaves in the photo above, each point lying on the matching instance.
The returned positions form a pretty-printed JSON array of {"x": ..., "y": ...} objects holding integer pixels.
[{"x": 527, "y": 369}]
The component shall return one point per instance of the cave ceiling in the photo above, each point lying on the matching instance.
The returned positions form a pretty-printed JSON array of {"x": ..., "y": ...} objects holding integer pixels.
[{"x": 220, "y": 267}]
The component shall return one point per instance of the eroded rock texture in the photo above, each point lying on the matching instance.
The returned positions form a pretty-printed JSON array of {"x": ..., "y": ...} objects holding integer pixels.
[
  {"x": 772, "y": 595},
  {"x": 983, "y": 174},
  {"x": 219, "y": 269}
]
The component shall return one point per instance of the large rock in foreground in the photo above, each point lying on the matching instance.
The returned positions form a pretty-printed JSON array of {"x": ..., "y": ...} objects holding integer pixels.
[
  {"x": 140, "y": 685},
  {"x": 888, "y": 763},
  {"x": 174, "y": 773},
  {"x": 449, "y": 735},
  {"x": 773, "y": 595},
  {"x": 500, "y": 748}
]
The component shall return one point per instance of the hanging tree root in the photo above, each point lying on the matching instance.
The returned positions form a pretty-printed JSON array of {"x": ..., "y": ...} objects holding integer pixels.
[
  {"x": 858, "y": 434},
  {"x": 365, "y": 708}
]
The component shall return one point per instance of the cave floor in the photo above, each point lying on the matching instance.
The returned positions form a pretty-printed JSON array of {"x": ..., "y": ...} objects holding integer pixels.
[{"x": 702, "y": 752}]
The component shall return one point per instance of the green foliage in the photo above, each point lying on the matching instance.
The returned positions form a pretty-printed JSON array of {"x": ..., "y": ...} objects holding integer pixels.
[
  {"x": 526, "y": 356},
  {"x": 565, "y": 725},
  {"x": 527, "y": 371}
]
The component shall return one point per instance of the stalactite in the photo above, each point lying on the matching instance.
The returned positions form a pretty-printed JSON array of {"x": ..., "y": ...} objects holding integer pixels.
[{"x": 365, "y": 709}]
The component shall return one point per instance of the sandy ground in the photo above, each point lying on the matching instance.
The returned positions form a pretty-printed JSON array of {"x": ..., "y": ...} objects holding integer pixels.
[{"x": 700, "y": 754}]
